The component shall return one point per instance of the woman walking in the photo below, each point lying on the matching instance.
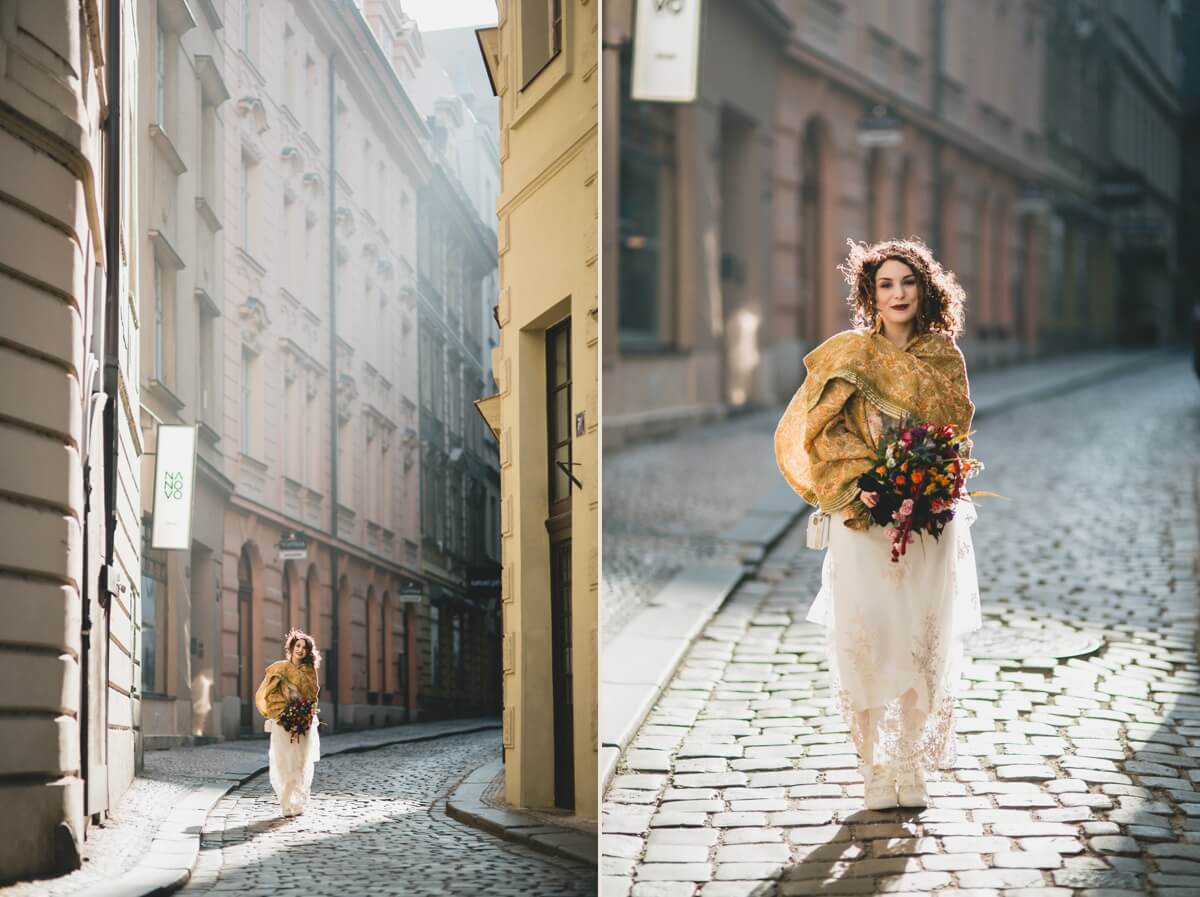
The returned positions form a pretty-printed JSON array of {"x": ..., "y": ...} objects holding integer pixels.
[
  {"x": 894, "y": 627},
  {"x": 288, "y": 686}
]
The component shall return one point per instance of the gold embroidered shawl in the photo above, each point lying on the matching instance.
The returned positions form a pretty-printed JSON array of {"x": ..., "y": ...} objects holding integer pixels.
[
  {"x": 824, "y": 440},
  {"x": 272, "y": 694}
]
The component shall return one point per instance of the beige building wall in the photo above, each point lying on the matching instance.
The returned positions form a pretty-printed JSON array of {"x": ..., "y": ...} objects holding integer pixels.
[
  {"x": 68, "y": 365},
  {"x": 548, "y": 275},
  {"x": 299, "y": 223},
  {"x": 182, "y": 97}
]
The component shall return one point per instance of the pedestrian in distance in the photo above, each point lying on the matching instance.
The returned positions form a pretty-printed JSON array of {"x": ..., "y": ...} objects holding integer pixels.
[
  {"x": 287, "y": 698},
  {"x": 894, "y": 626}
]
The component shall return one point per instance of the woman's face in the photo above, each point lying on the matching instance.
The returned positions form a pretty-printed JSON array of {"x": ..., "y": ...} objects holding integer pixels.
[
  {"x": 299, "y": 651},
  {"x": 896, "y": 293}
]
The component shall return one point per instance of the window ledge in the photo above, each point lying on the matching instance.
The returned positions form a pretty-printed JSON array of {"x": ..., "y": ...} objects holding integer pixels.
[
  {"x": 208, "y": 434},
  {"x": 157, "y": 388},
  {"x": 166, "y": 149},
  {"x": 208, "y": 214},
  {"x": 208, "y": 305},
  {"x": 164, "y": 252},
  {"x": 253, "y": 463}
]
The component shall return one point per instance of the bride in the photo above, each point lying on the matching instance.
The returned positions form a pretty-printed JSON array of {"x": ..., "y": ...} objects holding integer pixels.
[
  {"x": 291, "y": 760},
  {"x": 894, "y": 629}
]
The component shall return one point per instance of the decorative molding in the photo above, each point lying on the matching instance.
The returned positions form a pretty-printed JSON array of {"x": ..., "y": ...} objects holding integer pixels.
[
  {"x": 255, "y": 321},
  {"x": 347, "y": 392},
  {"x": 253, "y": 107}
]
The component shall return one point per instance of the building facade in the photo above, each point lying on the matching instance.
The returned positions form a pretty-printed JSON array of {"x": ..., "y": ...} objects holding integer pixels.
[
  {"x": 182, "y": 98},
  {"x": 884, "y": 119},
  {"x": 1132, "y": 59},
  {"x": 326, "y": 155},
  {"x": 544, "y": 69},
  {"x": 69, "y": 562}
]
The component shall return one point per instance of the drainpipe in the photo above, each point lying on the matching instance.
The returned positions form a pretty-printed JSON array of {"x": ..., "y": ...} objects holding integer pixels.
[
  {"x": 333, "y": 385},
  {"x": 939, "y": 64},
  {"x": 109, "y": 348}
]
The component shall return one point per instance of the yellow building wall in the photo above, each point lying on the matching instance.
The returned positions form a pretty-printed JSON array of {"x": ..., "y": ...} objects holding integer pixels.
[{"x": 548, "y": 236}]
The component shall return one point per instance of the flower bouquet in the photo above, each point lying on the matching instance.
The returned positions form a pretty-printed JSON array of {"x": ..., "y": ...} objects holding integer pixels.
[
  {"x": 297, "y": 716},
  {"x": 919, "y": 472}
]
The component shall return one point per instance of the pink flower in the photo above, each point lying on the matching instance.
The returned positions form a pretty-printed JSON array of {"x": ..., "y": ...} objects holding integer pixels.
[
  {"x": 906, "y": 507},
  {"x": 891, "y": 532}
]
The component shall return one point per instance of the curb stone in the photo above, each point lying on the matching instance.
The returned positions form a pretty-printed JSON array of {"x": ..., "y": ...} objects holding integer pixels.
[
  {"x": 168, "y": 864},
  {"x": 466, "y": 805}
]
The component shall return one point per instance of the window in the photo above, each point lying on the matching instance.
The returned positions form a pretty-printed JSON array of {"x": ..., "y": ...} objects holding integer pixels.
[
  {"x": 154, "y": 614},
  {"x": 287, "y": 66},
  {"x": 310, "y": 445},
  {"x": 160, "y": 325},
  {"x": 435, "y": 639},
  {"x": 541, "y": 36},
  {"x": 645, "y": 219},
  {"x": 456, "y": 652},
  {"x": 558, "y": 412},
  {"x": 160, "y": 91},
  {"x": 247, "y": 400},
  {"x": 346, "y": 454},
  {"x": 248, "y": 27},
  {"x": 208, "y": 149},
  {"x": 206, "y": 385},
  {"x": 247, "y": 198}
]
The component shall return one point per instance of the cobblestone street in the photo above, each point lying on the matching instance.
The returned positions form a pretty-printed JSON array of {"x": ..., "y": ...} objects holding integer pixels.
[
  {"x": 375, "y": 824},
  {"x": 1076, "y": 776}
]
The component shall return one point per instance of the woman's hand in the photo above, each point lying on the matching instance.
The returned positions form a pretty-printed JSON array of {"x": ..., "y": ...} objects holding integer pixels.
[{"x": 870, "y": 499}]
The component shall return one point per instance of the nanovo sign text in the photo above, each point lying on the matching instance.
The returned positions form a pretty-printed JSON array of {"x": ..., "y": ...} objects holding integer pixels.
[{"x": 174, "y": 481}]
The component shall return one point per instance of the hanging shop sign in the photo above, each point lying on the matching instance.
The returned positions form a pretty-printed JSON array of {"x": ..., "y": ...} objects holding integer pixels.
[
  {"x": 292, "y": 547},
  {"x": 410, "y": 592},
  {"x": 666, "y": 51},
  {"x": 174, "y": 486},
  {"x": 880, "y": 127}
]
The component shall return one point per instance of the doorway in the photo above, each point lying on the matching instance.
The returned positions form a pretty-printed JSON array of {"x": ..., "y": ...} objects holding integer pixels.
[
  {"x": 245, "y": 640},
  {"x": 558, "y": 524}
]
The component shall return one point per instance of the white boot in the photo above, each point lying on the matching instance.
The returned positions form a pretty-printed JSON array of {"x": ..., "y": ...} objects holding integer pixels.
[
  {"x": 879, "y": 786},
  {"x": 910, "y": 785}
]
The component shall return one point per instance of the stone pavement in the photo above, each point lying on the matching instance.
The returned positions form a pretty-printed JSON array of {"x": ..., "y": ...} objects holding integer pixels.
[
  {"x": 1076, "y": 776},
  {"x": 171, "y": 778},
  {"x": 375, "y": 825},
  {"x": 669, "y": 503}
]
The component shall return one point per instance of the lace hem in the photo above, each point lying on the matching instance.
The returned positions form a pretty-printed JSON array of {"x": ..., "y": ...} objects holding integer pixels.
[{"x": 933, "y": 747}]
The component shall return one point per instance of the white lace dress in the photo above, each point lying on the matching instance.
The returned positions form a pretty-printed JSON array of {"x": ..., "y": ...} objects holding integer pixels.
[
  {"x": 896, "y": 626},
  {"x": 291, "y": 763}
]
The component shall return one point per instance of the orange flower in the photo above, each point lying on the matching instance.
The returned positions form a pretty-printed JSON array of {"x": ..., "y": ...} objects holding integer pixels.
[
  {"x": 904, "y": 466},
  {"x": 881, "y": 470},
  {"x": 900, "y": 481},
  {"x": 917, "y": 476}
]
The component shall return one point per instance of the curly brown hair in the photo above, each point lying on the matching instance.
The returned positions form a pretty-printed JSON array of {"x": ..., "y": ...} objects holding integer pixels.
[
  {"x": 941, "y": 306},
  {"x": 312, "y": 657}
]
